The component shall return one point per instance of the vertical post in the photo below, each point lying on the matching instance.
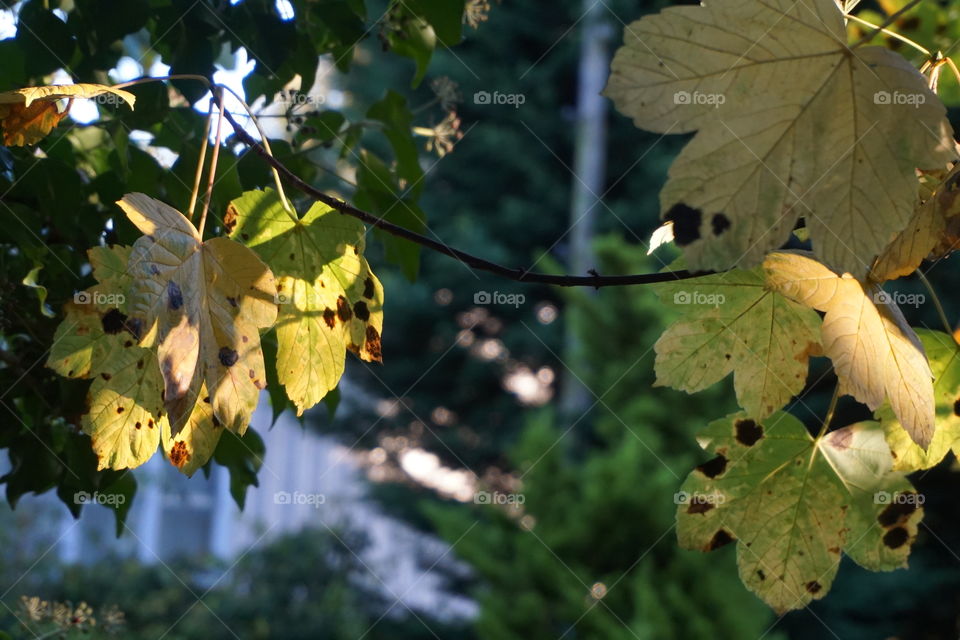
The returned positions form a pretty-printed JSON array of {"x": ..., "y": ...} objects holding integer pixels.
[{"x": 590, "y": 171}]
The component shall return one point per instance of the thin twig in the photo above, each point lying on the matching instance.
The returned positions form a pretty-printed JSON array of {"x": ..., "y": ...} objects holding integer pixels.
[{"x": 519, "y": 275}]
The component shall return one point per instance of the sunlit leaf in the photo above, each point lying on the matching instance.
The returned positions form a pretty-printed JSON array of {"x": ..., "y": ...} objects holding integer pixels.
[
  {"x": 793, "y": 503},
  {"x": 330, "y": 300},
  {"x": 875, "y": 353},
  {"x": 732, "y": 323},
  {"x": 789, "y": 123},
  {"x": 203, "y": 305}
]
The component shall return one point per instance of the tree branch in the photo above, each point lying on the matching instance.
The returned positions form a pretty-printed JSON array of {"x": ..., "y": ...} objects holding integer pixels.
[{"x": 519, "y": 275}]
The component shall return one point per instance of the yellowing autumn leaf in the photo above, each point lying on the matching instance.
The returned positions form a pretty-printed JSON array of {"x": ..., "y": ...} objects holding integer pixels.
[
  {"x": 732, "y": 322},
  {"x": 790, "y": 122},
  {"x": 27, "y": 115},
  {"x": 203, "y": 305},
  {"x": 95, "y": 340},
  {"x": 944, "y": 355},
  {"x": 330, "y": 300},
  {"x": 794, "y": 503},
  {"x": 933, "y": 232},
  {"x": 191, "y": 447},
  {"x": 875, "y": 353}
]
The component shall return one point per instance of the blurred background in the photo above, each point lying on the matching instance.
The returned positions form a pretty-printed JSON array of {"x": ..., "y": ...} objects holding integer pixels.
[{"x": 509, "y": 471}]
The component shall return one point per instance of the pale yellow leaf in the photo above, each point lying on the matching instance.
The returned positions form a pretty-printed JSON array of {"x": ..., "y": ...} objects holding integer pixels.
[
  {"x": 790, "y": 122},
  {"x": 875, "y": 353}
]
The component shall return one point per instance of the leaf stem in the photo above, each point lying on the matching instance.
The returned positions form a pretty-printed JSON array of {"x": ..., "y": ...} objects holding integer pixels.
[
  {"x": 886, "y": 23},
  {"x": 892, "y": 34},
  {"x": 205, "y": 141},
  {"x": 266, "y": 145},
  {"x": 936, "y": 302},
  {"x": 212, "y": 175},
  {"x": 827, "y": 419}
]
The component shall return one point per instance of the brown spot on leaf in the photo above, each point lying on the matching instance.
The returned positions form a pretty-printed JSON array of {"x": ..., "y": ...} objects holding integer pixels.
[
  {"x": 244, "y": 339},
  {"x": 360, "y": 309},
  {"x": 813, "y": 586},
  {"x": 120, "y": 409},
  {"x": 956, "y": 407},
  {"x": 252, "y": 374},
  {"x": 720, "y": 538},
  {"x": 343, "y": 309},
  {"x": 113, "y": 322},
  {"x": 373, "y": 344},
  {"x": 230, "y": 219},
  {"x": 232, "y": 301},
  {"x": 713, "y": 468},
  {"x": 140, "y": 363},
  {"x": 896, "y": 537},
  {"x": 174, "y": 295},
  {"x": 179, "y": 455},
  {"x": 368, "y": 289},
  {"x": 699, "y": 504},
  {"x": 748, "y": 432},
  {"x": 128, "y": 344},
  {"x": 228, "y": 357},
  {"x": 761, "y": 574},
  {"x": 896, "y": 512},
  {"x": 720, "y": 223},
  {"x": 330, "y": 317},
  {"x": 105, "y": 375},
  {"x": 150, "y": 423},
  {"x": 138, "y": 425},
  {"x": 686, "y": 223}
]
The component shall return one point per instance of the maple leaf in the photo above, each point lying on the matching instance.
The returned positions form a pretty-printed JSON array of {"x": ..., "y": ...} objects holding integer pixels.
[
  {"x": 944, "y": 356},
  {"x": 331, "y": 301},
  {"x": 202, "y": 304},
  {"x": 875, "y": 353},
  {"x": 27, "y": 115},
  {"x": 793, "y": 503},
  {"x": 95, "y": 340},
  {"x": 733, "y": 323},
  {"x": 790, "y": 122},
  {"x": 933, "y": 233}
]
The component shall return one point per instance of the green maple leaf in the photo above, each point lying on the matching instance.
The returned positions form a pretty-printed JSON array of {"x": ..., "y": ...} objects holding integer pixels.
[
  {"x": 792, "y": 503},
  {"x": 732, "y": 323},
  {"x": 330, "y": 300}
]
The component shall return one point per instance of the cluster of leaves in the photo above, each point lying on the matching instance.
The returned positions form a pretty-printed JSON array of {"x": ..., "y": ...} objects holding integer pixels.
[
  {"x": 792, "y": 144},
  {"x": 59, "y": 195}
]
